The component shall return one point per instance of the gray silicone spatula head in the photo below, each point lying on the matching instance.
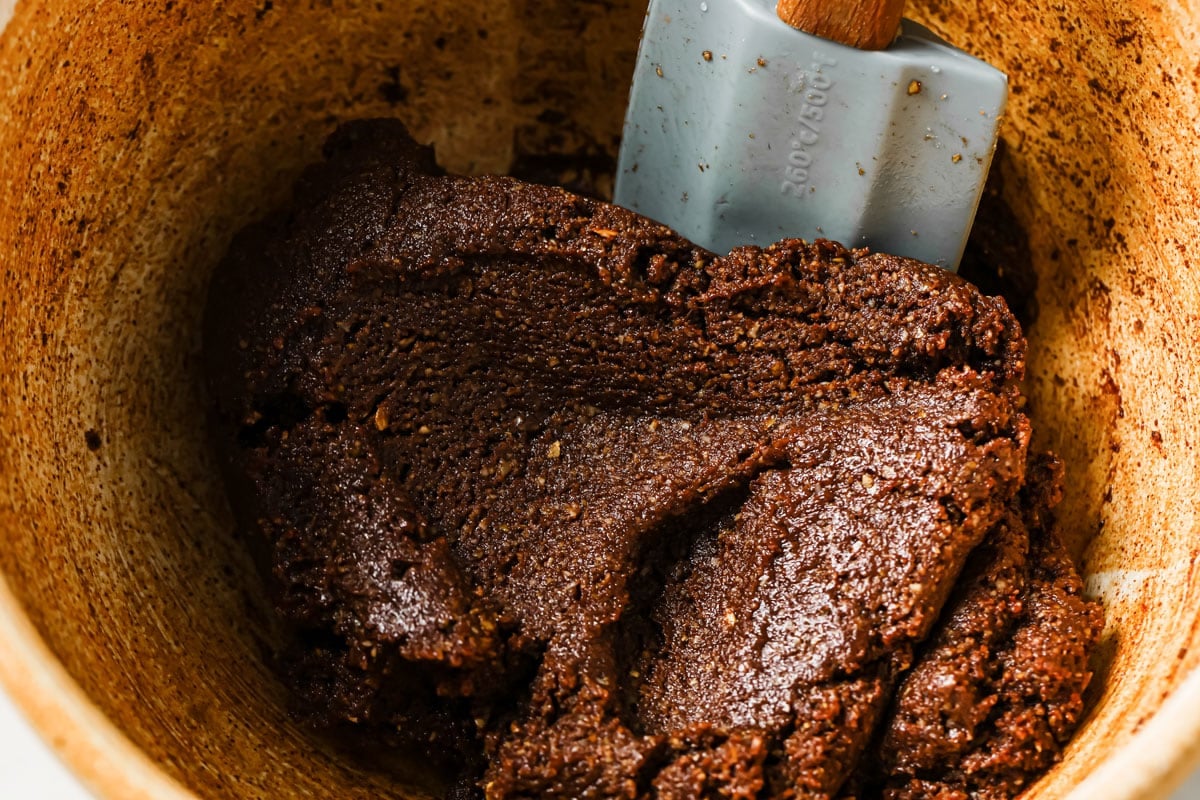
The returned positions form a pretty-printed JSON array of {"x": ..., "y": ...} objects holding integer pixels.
[{"x": 744, "y": 130}]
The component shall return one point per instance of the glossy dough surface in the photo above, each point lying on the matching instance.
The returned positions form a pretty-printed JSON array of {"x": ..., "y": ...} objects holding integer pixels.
[{"x": 538, "y": 481}]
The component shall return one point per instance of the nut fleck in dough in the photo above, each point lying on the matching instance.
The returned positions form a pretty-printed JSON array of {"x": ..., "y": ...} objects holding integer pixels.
[{"x": 583, "y": 510}]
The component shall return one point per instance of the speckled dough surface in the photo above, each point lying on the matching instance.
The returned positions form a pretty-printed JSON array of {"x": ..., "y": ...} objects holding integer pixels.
[{"x": 585, "y": 511}]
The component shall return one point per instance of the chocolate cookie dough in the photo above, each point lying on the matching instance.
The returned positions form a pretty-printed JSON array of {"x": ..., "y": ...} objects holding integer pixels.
[{"x": 582, "y": 510}]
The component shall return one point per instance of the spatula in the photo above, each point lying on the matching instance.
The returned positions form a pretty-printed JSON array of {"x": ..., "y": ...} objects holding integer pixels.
[{"x": 817, "y": 119}]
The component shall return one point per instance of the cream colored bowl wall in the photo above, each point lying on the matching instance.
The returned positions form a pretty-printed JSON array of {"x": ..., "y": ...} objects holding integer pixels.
[{"x": 136, "y": 137}]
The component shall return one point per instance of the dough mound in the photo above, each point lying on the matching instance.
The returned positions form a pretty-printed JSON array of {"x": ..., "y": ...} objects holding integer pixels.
[{"x": 582, "y": 510}]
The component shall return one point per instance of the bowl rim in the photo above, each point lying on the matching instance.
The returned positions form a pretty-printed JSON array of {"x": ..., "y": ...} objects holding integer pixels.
[
  {"x": 1158, "y": 758},
  {"x": 87, "y": 742}
]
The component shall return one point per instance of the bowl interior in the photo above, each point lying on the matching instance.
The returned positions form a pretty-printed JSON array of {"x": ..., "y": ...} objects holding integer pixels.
[{"x": 138, "y": 139}]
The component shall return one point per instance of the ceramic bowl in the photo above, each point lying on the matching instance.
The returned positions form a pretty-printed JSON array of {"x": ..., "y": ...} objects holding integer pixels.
[{"x": 137, "y": 137}]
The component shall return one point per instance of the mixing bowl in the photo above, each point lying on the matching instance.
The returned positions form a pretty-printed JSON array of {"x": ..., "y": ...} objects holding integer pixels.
[{"x": 137, "y": 137}]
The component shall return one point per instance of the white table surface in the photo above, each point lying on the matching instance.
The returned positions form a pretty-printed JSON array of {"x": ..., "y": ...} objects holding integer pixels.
[{"x": 30, "y": 771}]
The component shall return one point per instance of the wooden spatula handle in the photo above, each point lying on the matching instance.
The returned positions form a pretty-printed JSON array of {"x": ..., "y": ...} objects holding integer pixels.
[{"x": 865, "y": 24}]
